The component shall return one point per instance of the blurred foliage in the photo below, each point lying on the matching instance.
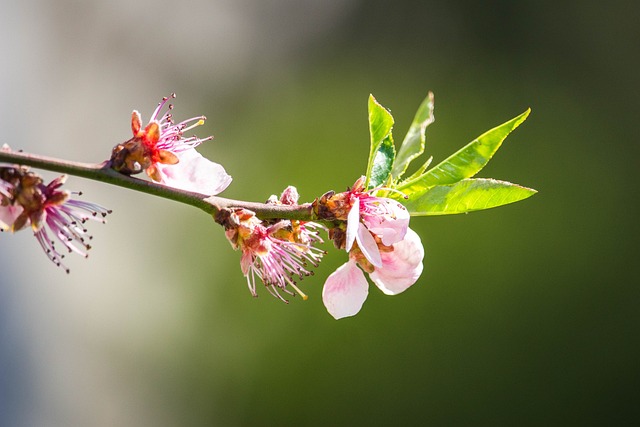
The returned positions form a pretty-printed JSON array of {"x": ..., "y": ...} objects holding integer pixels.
[{"x": 524, "y": 315}]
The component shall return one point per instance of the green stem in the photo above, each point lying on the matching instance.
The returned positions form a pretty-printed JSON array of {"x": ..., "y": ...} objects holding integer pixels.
[{"x": 102, "y": 172}]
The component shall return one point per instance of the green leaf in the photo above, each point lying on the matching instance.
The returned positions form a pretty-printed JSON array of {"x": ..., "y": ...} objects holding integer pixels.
[
  {"x": 380, "y": 125},
  {"x": 414, "y": 142},
  {"x": 465, "y": 163},
  {"x": 465, "y": 196},
  {"x": 382, "y": 163}
]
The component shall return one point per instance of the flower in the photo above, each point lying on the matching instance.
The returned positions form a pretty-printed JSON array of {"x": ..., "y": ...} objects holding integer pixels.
[
  {"x": 275, "y": 253},
  {"x": 52, "y": 214},
  {"x": 378, "y": 240},
  {"x": 162, "y": 151},
  {"x": 346, "y": 289}
]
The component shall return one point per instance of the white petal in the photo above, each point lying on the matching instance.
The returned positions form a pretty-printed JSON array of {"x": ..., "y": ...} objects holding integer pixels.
[
  {"x": 345, "y": 291},
  {"x": 195, "y": 173},
  {"x": 368, "y": 245},
  {"x": 392, "y": 226},
  {"x": 402, "y": 267},
  {"x": 353, "y": 219}
]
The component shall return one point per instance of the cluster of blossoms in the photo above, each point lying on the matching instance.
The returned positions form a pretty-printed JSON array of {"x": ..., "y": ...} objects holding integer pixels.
[
  {"x": 52, "y": 214},
  {"x": 377, "y": 238},
  {"x": 374, "y": 231},
  {"x": 160, "y": 149},
  {"x": 275, "y": 252},
  {"x": 167, "y": 156}
]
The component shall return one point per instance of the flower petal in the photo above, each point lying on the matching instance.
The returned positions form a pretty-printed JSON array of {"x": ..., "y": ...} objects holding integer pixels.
[
  {"x": 387, "y": 219},
  {"x": 195, "y": 173},
  {"x": 246, "y": 260},
  {"x": 345, "y": 291},
  {"x": 353, "y": 219},
  {"x": 402, "y": 267},
  {"x": 136, "y": 122},
  {"x": 368, "y": 245},
  {"x": 8, "y": 215}
]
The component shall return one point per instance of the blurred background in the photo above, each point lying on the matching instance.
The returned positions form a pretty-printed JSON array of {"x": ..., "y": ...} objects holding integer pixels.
[{"x": 525, "y": 315}]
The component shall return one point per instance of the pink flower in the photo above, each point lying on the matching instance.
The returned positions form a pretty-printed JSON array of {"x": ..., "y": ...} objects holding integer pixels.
[
  {"x": 346, "y": 289},
  {"x": 52, "y": 214},
  {"x": 274, "y": 254},
  {"x": 162, "y": 151},
  {"x": 378, "y": 240},
  {"x": 383, "y": 217}
]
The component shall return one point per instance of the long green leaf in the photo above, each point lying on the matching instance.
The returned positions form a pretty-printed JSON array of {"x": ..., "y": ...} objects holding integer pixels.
[
  {"x": 414, "y": 142},
  {"x": 380, "y": 125},
  {"x": 466, "y": 162},
  {"x": 465, "y": 196}
]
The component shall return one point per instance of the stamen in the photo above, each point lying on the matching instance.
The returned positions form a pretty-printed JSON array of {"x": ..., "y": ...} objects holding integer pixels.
[{"x": 302, "y": 294}]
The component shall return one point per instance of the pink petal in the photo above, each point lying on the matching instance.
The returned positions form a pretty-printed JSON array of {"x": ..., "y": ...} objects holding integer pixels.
[
  {"x": 368, "y": 245},
  {"x": 195, "y": 173},
  {"x": 246, "y": 260},
  {"x": 345, "y": 291},
  {"x": 402, "y": 267},
  {"x": 8, "y": 215},
  {"x": 353, "y": 220},
  {"x": 391, "y": 226}
]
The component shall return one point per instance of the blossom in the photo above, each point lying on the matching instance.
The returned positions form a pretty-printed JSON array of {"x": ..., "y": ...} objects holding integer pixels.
[
  {"x": 379, "y": 241},
  {"x": 274, "y": 254},
  {"x": 162, "y": 151},
  {"x": 385, "y": 218},
  {"x": 346, "y": 289},
  {"x": 54, "y": 217}
]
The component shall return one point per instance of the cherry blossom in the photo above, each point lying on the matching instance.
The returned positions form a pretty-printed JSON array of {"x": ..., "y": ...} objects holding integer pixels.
[
  {"x": 346, "y": 289},
  {"x": 379, "y": 241},
  {"x": 167, "y": 156},
  {"x": 275, "y": 254},
  {"x": 53, "y": 215}
]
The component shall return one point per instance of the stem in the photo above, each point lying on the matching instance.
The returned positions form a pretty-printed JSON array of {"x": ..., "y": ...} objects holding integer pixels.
[{"x": 102, "y": 172}]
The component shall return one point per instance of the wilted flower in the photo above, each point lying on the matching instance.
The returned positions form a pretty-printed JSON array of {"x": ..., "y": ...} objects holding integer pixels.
[
  {"x": 274, "y": 253},
  {"x": 162, "y": 151},
  {"x": 378, "y": 240},
  {"x": 52, "y": 214}
]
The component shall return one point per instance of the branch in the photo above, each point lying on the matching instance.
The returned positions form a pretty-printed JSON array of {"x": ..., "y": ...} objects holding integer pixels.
[{"x": 102, "y": 172}]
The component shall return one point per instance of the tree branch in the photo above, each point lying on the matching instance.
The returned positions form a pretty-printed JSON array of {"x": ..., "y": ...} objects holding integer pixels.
[{"x": 102, "y": 172}]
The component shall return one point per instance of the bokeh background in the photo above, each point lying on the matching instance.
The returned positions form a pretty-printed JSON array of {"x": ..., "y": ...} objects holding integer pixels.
[{"x": 525, "y": 315}]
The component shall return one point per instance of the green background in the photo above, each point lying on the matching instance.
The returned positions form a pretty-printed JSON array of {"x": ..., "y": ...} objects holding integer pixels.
[{"x": 524, "y": 315}]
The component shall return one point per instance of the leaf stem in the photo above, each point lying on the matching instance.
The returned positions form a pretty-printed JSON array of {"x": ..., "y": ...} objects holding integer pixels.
[{"x": 102, "y": 172}]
